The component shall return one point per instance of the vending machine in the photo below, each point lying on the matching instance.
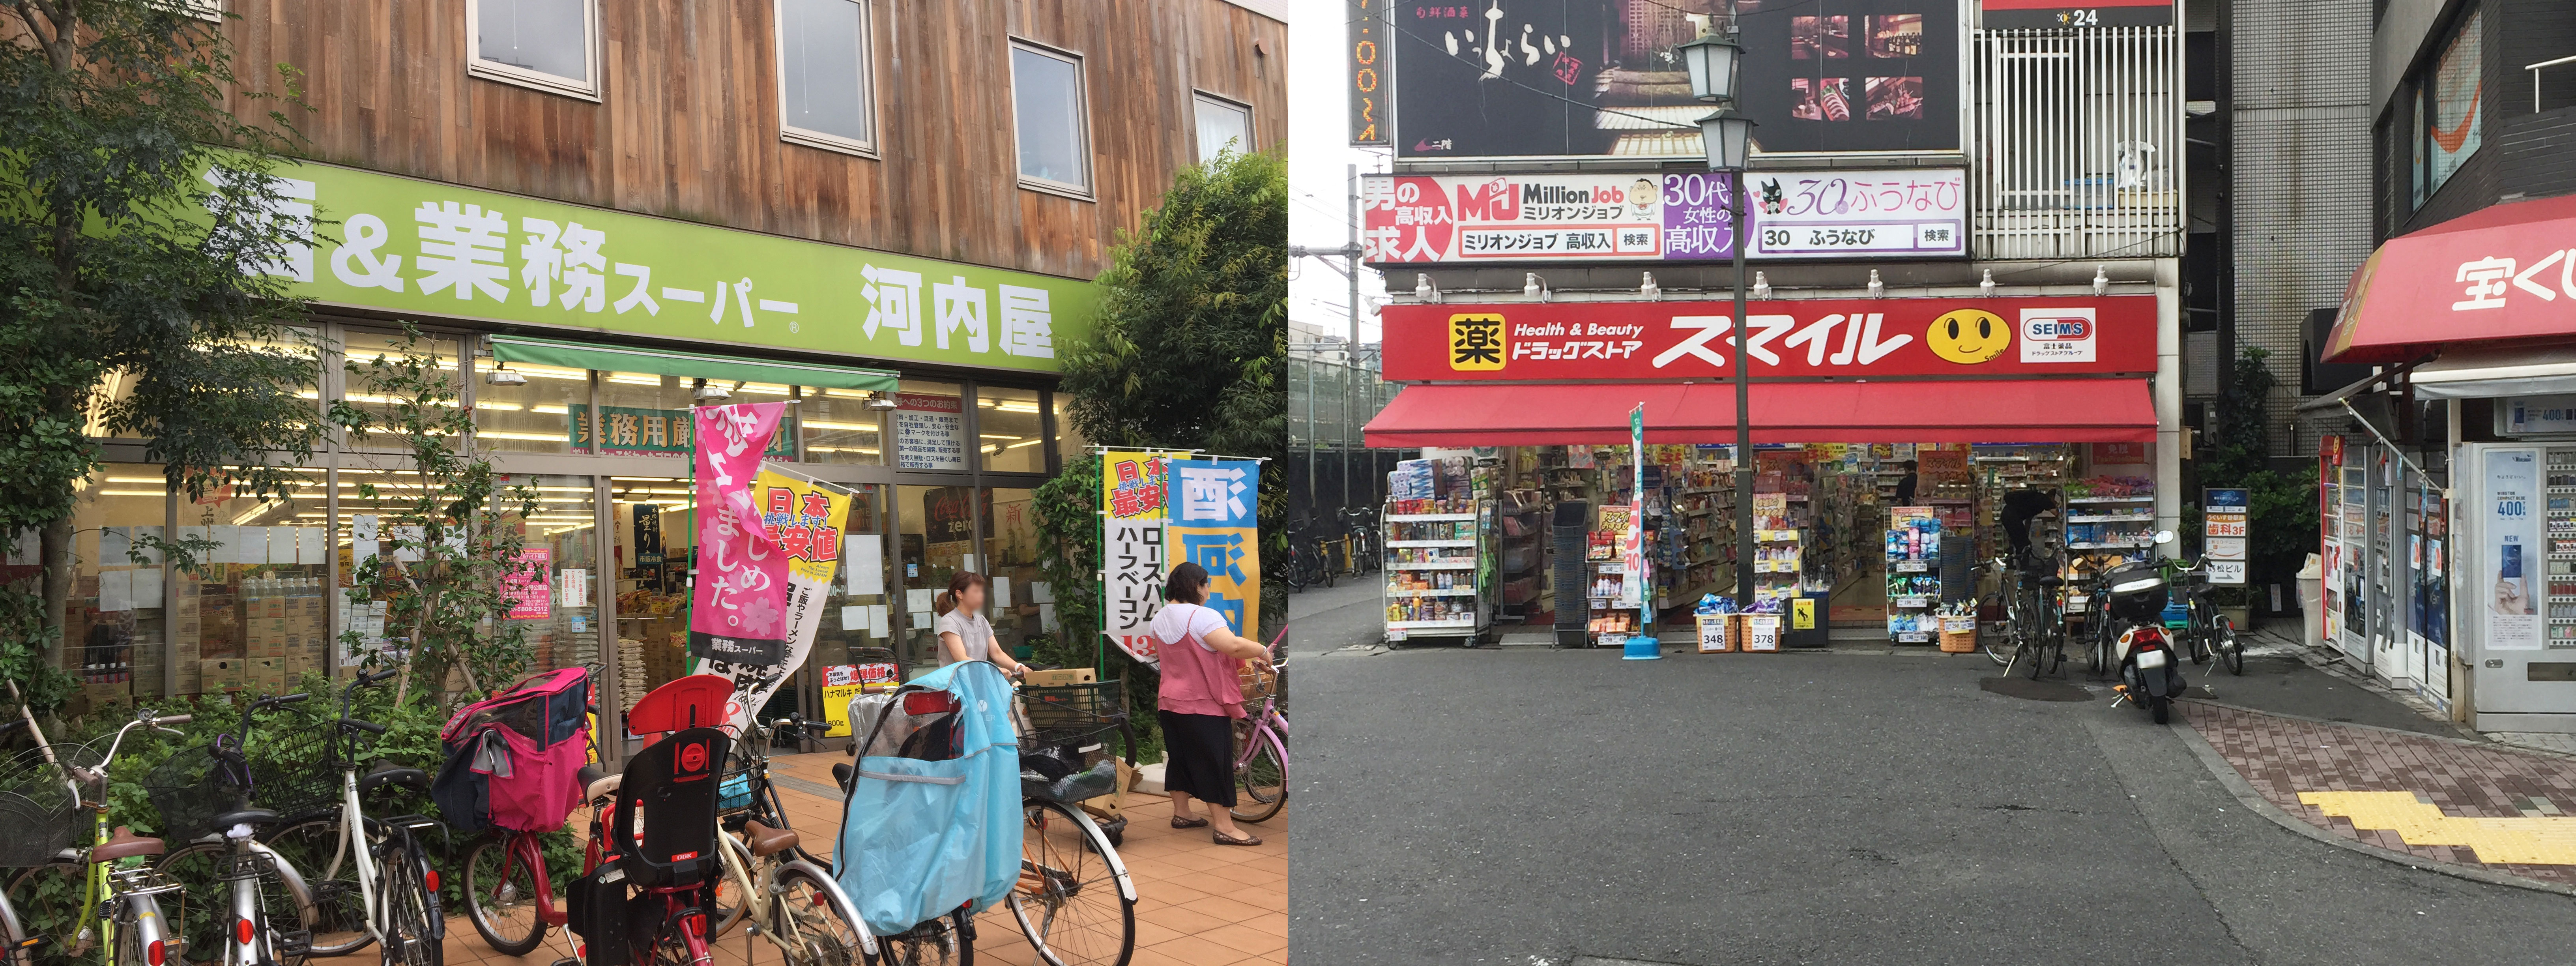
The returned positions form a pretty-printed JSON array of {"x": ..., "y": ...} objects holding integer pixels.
[
  {"x": 2352, "y": 619},
  {"x": 2515, "y": 583}
]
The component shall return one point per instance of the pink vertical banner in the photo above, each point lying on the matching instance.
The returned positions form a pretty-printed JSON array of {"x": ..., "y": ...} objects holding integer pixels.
[{"x": 738, "y": 608}]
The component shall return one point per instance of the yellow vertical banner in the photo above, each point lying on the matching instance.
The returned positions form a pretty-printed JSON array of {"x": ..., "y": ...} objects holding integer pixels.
[{"x": 1132, "y": 485}]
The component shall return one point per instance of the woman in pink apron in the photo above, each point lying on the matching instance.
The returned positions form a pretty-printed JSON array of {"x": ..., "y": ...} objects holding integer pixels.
[{"x": 1200, "y": 701}]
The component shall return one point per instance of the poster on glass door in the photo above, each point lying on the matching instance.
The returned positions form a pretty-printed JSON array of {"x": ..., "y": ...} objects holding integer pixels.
[{"x": 2510, "y": 545}]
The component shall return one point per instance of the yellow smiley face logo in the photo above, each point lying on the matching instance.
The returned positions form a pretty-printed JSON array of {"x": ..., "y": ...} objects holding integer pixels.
[{"x": 1968, "y": 336}]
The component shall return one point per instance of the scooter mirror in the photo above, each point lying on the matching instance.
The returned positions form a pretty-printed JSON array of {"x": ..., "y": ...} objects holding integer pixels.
[{"x": 2164, "y": 537}]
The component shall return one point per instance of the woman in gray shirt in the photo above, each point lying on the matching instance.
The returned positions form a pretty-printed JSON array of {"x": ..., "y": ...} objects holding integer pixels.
[{"x": 964, "y": 634}]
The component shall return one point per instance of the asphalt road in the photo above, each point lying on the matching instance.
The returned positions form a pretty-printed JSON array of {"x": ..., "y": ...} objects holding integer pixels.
[{"x": 1528, "y": 806}]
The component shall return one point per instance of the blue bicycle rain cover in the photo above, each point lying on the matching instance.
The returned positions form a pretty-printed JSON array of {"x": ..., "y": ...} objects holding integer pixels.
[{"x": 920, "y": 838}]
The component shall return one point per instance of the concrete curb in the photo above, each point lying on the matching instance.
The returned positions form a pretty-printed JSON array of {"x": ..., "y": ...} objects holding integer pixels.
[{"x": 2251, "y": 799}]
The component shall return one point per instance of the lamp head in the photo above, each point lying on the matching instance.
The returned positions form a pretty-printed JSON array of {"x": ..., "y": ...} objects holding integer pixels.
[
  {"x": 504, "y": 377},
  {"x": 1726, "y": 135},
  {"x": 1711, "y": 60},
  {"x": 707, "y": 392}
]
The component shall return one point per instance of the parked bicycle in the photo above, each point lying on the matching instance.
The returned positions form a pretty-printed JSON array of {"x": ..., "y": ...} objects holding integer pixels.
[
  {"x": 244, "y": 905},
  {"x": 371, "y": 879},
  {"x": 1361, "y": 538},
  {"x": 1261, "y": 741},
  {"x": 2034, "y": 628},
  {"x": 2204, "y": 632},
  {"x": 68, "y": 902},
  {"x": 1306, "y": 560}
]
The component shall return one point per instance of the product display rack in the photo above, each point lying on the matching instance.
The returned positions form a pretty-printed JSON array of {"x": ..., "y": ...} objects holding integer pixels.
[
  {"x": 1914, "y": 577},
  {"x": 1435, "y": 563},
  {"x": 1780, "y": 523},
  {"x": 1610, "y": 621},
  {"x": 1520, "y": 519},
  {"x": 2561, "y": 495},
  {"x": 1697, "y": 536}
]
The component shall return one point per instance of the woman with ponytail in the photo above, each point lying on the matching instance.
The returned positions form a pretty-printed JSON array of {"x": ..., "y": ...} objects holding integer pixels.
[
  {"x": 1200, "y": 701},
  {"x": 964, "y": 634}
]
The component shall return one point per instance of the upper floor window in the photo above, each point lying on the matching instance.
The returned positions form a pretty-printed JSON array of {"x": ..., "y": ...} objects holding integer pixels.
[
  {"x": 1047, "y": 107},
  {"x": 547, "y": 44},
  {"x": 2447, "y": 115},
  {"x": 1223, "y": 124},
  {"x": 824, "y": 96}
]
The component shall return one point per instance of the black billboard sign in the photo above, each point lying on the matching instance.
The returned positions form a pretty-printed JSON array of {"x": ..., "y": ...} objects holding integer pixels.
[
  {"x": 1591, "y": 78},
  {"x": 1852, "y": 75}
]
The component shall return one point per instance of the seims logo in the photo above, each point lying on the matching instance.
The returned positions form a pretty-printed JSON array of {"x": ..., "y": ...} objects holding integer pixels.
[{"x": 2060, "y": 328}]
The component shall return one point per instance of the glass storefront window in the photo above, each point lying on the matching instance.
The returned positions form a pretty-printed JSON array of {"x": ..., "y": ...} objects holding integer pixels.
[
  {"x": 936, "y": 541},
  {"x": 561, "y": 549},
  {"x": 534, "y": 417},
  {"x": 252, "y": 616},
  {"x": 1010, "y": 431},
  {"x": 655, "y": 527},
  {"x": 641, "y": 414},
  {"x": 930, "y": 428},
  {"x": 117, "y": 632},
  {"x": 1011, "y": 562},
  {"x": 856, "y": 643},
  {"x": 840, "y": 427},
  {"x": 1069, "y": 445},
  {"x": 364, "y": 349}
]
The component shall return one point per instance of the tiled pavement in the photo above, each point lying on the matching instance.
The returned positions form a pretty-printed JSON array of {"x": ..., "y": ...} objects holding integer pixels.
[
  {"x": 1198, "y": 903},
  {"x": 2282, "y": 757}
]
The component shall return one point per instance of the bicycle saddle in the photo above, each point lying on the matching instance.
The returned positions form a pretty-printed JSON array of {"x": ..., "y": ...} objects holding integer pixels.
[
  {"x": 2052, "y": 582},
  {"x": 412, "y": 778},
  {"x": 766, "y": 841},
  {"x": 248, "y": 816},
  {"x": 604, "y": 787},
  {"x": 124, "y": 844}
]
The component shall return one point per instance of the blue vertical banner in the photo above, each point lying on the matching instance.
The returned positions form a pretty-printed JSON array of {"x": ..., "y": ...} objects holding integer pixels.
[{"x": 1212, "y": 521}]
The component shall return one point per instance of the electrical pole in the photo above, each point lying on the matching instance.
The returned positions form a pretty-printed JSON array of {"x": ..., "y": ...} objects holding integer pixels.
[{"x": 1350, "y": 349}]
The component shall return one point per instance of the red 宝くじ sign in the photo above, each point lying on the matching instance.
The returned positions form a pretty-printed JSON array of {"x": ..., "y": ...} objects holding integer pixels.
[{"x": 1811, "y": 337}]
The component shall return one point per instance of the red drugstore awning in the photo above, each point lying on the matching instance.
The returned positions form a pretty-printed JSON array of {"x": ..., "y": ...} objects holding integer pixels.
[
  {"x": 2501, "y": 273},
  {"x": 1943, "y": 411}
]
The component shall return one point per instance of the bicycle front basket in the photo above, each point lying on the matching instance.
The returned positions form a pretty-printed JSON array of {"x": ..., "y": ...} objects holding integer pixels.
[
  {"x": 294, "y": 771},
  {"x": 1066, "y": 714},
  {"x": 190, "y": 789},
  {"x": 37, "y": 808}
]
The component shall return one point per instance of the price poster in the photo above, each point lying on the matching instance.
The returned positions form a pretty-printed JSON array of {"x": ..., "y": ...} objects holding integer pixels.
[
  {"x": 2509, "y": 551},
  {"x": 2223, "y": 533}
]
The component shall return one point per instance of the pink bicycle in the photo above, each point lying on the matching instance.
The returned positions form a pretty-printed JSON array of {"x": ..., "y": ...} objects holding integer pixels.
[{"x": 1261, "y": 740}]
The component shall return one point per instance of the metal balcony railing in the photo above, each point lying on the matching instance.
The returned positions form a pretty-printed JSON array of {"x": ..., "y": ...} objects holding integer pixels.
[{"x": 2078, "y": 141}]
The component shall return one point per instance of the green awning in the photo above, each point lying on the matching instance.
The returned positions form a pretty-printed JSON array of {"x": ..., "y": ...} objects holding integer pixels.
[{"x": 584, "y": 355}]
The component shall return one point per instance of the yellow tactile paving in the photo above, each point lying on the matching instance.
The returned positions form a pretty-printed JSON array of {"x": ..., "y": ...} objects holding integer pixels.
[{"x": 2535, "y": 840}]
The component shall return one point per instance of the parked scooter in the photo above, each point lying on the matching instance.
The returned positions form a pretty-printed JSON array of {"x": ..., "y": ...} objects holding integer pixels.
[{"x": 2150, "y": 676}]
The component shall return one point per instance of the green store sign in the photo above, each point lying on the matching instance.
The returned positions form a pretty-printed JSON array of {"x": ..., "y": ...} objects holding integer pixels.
[{"x": 411, "y": 246}]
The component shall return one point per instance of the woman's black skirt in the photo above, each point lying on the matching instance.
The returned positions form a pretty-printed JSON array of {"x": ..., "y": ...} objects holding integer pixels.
[{"x": 1202, "y": 756}]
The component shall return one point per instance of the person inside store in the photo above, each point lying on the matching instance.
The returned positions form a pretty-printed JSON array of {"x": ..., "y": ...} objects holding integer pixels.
[
  {"x": 964, "y": 634},
  {"x": 1906, "y": 485},
  {"x": 1199, "y": 702},
  {"x": 2020, "y": 508}
]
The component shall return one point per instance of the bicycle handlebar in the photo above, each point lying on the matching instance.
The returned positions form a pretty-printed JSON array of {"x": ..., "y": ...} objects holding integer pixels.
[
  {"x": 172, "y": 719},
  {"x": 369, "y": 727}
]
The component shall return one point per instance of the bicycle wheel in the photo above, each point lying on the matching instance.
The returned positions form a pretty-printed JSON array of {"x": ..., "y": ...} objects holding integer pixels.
[
  {"x": 206, "y": 902},
  {"x": 1260, "y": 780},
  {"x": 945, "y": 941},
  {"x": 339, "y": 920},
  {"x": 812, "y": 924},
  {"x": 1067, "y": 901},
  {"x": 48, "y": 900},
  {"x": 501, "y": 897},
  {"x": 2230, "y": 650},
  {"x": 415, "y": 933}
]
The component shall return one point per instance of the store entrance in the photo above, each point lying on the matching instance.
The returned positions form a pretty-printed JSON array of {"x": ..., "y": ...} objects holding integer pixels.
[
  {"x": 653, "y": 530},
  {"x": 1851, "y": 541}
]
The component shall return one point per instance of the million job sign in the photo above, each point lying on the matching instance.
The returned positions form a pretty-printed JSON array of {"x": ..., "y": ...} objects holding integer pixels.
[{"x": 1678, "y": 216}]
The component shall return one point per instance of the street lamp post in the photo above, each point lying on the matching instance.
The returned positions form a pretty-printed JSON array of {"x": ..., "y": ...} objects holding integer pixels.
[{"x": 1727, "y": 136}]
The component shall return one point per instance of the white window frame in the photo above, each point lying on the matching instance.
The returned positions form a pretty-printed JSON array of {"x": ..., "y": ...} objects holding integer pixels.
[
  {"x": 476, "y": 66},
  {"x": 209, "y": 10},
  {"x": 867, "y": 84},
  {"x": 1082, "y": 98},
  {"x": 1198, "y": 99}
]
